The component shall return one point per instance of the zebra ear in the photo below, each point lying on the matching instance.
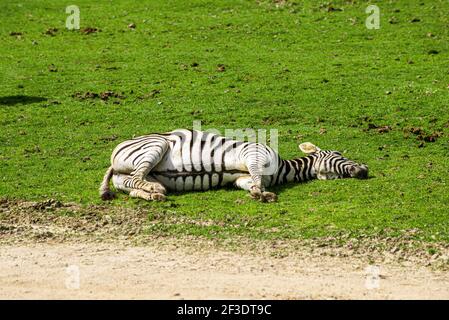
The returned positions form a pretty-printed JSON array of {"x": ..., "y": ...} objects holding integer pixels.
[{"x": 308, "y": 147}]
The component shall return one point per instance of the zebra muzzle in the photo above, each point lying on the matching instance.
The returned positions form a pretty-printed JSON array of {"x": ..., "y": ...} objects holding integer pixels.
[{"x": 359, "y": 171}]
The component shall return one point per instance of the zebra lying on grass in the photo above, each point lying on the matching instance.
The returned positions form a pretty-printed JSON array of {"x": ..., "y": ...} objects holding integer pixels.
[{"x": 186, "y": 160}]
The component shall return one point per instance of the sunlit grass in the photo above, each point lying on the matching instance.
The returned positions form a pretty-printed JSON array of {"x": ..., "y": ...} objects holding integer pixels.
[{"x": 314, "y": 74}]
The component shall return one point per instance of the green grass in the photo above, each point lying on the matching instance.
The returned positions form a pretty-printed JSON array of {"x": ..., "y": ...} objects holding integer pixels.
[{"x": 296, "y": 67}]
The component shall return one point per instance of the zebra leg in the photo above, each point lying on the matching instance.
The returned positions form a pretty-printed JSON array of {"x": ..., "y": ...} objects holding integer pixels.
[
  {"x": 257, "y": 189},
  {"x": 119, "y": 183},
  {"x": 136, "y": 193},
  {"x": 138, "y": 179},
  {"x": 247, "y": 183},
  {"x": 258, "y": 160},
  {"x": 160, "y": 192}
]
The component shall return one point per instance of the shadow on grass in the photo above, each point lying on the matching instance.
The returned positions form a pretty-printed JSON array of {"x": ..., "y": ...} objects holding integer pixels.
[
  {"x": 281, "y": 187},
  {"x": 278, "y": 189},
  {"x": 20, "y": 99}
]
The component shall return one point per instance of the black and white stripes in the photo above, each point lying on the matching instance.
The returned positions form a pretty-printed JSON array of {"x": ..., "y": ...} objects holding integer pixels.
[{"x": 185, "y": 160}]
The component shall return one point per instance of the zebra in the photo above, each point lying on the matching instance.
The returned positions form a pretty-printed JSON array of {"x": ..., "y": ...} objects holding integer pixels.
[{"x": 188, "y": 160}]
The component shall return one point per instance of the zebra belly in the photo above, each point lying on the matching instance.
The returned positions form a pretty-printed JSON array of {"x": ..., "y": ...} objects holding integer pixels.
[{"x": 196, "y": 181}]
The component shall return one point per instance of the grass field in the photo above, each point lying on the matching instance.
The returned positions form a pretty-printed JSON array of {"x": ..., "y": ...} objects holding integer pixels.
[{"x": 310, "y": 69}]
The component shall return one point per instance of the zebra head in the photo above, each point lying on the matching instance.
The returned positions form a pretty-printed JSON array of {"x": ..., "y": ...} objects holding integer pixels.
[{"x": 328, "y": 164}]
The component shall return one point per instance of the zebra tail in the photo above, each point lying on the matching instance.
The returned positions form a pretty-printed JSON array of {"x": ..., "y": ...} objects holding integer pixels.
[{"x": 105, "y": 192}]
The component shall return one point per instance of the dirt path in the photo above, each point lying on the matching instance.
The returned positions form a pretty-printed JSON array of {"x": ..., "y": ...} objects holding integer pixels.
[
  {"x": 49, "y": 271},
  {"x": 44, "y": 246}
]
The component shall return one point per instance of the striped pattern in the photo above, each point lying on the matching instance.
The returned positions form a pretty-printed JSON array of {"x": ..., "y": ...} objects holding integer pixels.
[
  {"x": 185, "y": 160},
  {"x": 307, "y": 168}
]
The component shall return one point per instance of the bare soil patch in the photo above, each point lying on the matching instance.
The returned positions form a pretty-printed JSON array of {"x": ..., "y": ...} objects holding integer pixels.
[{"x": 42, "y": 243}]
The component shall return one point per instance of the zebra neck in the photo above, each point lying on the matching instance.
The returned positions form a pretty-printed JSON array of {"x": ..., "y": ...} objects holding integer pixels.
[{"x": 296, "y": 170}]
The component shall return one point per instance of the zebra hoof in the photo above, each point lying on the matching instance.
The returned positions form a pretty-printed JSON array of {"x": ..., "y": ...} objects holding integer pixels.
[
  {"x": 157, "y": 197},
  {"x": 154, "y": 188},
  {"x": 255, "y": 193},
  {"x": 160, "y": 189},
  {"x": 268, "y": 197},
  {"x": 255, "y": 196}
]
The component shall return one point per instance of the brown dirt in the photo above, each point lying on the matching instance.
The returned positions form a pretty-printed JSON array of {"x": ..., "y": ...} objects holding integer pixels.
[{"x": 42, "y": 249}]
